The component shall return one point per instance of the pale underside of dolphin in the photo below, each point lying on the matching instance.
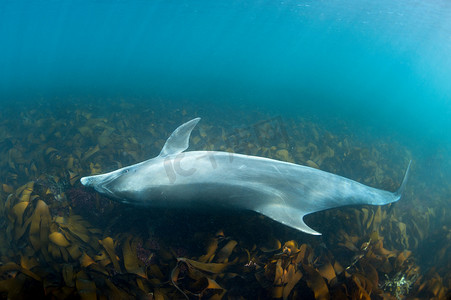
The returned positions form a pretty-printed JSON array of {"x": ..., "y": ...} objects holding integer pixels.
[{"x": 282, "y": 191}]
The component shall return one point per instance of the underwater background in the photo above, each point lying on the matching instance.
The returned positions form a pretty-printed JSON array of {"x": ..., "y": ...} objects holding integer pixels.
[{"x": 353, "y": 88}]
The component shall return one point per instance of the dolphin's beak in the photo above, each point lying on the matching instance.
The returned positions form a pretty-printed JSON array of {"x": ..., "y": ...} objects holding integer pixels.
[
  {"x": 86, "y": 181},
  {"x": 96, "y": 181}
]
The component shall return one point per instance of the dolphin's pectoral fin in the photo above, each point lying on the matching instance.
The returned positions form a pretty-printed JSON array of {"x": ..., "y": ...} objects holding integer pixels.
[
  {"x": 286, "y": 215},
  {"x": 179, "y": 139}
]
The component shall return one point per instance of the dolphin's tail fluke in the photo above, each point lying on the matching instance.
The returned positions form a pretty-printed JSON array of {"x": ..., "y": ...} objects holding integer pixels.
[{"x": 400, "y": 191}]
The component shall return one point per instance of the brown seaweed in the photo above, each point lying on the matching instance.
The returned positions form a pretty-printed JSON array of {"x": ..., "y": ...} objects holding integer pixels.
[{"x": 49, "y": 245}]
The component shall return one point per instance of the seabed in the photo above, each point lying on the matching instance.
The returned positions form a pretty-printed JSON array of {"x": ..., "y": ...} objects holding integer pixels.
[{"x": 60, "y": 240}]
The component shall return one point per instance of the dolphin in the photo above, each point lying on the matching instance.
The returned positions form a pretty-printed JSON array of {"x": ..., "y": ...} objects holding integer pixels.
[{"x": 282, "y": 191}]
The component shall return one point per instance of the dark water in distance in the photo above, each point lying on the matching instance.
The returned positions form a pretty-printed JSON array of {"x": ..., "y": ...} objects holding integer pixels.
[{"x": 380, "y": 70}]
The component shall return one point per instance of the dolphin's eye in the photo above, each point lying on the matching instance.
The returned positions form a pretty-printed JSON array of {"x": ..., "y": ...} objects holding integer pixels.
[{"x": 125, "y": 171}]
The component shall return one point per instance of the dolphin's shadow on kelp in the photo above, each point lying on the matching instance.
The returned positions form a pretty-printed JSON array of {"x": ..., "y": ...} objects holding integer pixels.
[
  {"x": 188, "y": 228},
  {"x": 200, "y": 180}
]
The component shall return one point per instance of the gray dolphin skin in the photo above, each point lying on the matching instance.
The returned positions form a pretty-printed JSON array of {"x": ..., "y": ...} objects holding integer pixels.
[{"x": 282, "y": 191}]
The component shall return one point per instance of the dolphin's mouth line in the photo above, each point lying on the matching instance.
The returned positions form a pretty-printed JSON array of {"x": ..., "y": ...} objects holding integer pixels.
[
  {"x": 104, "y": 184},
  {"x": 106, "y": 189}
]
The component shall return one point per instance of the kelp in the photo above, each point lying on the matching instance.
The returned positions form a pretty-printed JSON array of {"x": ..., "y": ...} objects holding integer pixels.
[
  {"x": 131, "y": 261},
  {"x": 60, "y": 240}
]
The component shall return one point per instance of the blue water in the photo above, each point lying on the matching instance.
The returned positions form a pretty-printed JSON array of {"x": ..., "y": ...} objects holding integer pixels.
[{"x": 384, "y": 63}]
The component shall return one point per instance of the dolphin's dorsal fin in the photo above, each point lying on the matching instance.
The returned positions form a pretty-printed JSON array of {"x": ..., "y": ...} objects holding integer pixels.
[
  {"x": 179, "y": 139},
  {"x": 286, "y": 215}
]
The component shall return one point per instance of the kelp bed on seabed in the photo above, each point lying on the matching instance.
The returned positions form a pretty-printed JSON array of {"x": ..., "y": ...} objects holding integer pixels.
[{"x": 60, "y": 240}]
